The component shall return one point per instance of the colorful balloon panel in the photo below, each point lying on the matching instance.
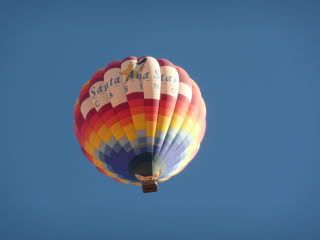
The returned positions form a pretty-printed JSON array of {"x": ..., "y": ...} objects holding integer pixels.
[{"x": 140, "y": 117}]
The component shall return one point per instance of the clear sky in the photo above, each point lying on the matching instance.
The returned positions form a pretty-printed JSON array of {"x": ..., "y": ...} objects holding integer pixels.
[{"x": 257, "y": 173}]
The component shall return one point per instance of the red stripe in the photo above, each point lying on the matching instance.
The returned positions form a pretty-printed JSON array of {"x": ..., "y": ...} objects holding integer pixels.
[
  {"x": 151, "y": 102},
  {"x": 137, "y": 110},
  {"x": 122, "y": 106},
  {"x": 151, "y": 109},
  {"x": 135, "y": 95},
  {"x": 126, "y": 121},
  {"x": 136, "y": 103},
  {"x": 166, "y": 111},
  {"x": 167, "y": 97},
  {"x": 123, "y": 114}
]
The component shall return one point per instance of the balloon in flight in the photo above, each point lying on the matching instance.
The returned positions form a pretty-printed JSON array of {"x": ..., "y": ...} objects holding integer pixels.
[{"x": 140, "y": 120}]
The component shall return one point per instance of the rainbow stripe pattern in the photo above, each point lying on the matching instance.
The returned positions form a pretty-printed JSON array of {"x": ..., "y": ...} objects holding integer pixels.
[{"x": 141, "y": 116}]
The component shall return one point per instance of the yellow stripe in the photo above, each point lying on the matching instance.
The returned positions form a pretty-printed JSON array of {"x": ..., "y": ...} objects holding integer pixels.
[
  {"x": 187, "y": 124},
  {"x": 130, "y": 132},
  {"x": 163, "y": 123},
  {"x": 151, "y": 128},
  {"x": 176, "y": 121},
  {"x": 117, "y": 131},
  {"x": 94, "y": 140},
  {"x": 104, "y": 133},
  {"x": 139, "y": 121}
]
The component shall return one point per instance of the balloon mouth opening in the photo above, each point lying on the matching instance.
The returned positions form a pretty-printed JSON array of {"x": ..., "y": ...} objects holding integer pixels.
[{"x": 141, "y": 167}]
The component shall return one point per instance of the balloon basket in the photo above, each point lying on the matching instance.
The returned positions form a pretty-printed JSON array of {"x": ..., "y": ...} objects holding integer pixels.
[{"x": 149, "y": 186}]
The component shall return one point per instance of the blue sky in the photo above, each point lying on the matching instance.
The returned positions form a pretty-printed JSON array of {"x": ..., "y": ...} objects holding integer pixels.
[{"x": 257, "y": 173}]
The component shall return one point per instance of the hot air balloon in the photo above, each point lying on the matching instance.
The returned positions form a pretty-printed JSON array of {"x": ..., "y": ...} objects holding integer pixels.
[{"x": 140, "y": 121}]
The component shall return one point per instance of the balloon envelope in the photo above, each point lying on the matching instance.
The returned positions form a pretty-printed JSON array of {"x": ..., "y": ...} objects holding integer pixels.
[{"x": 140, "y": 120}]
